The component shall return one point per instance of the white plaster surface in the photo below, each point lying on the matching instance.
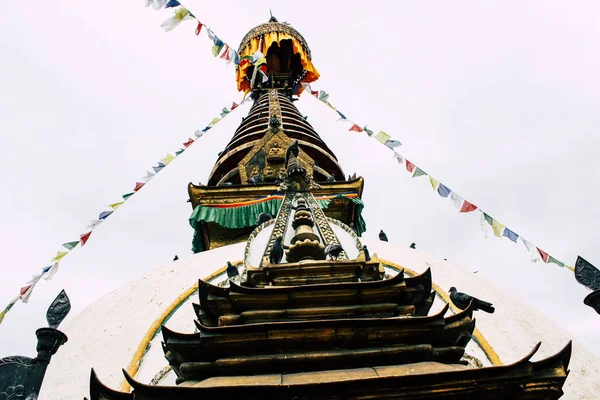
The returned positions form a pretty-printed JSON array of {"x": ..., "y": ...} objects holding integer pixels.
[{"x": 107, "y": 333}]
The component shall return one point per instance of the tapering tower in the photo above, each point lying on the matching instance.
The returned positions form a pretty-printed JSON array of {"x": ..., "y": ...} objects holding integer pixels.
[{"x": 246, "y": 178}]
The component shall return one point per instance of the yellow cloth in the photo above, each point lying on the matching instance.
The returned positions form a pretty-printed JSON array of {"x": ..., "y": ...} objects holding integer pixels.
[
  {"x": 498, "y": 228},
  {"x": 269, "y": 38},
  {"x": 59, "y": 255},
  {"x": 167, "y": 159},
  {"x": 434, "y": 182},
  {"x": 114, "y": 206}
]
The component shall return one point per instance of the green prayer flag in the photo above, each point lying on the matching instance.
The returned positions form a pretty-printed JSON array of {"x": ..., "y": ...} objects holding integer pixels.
[
  {"x": 369, "y": 132},
  {"x": 489, "y": 219},
  {"x": 216, "y": 49},
  {"x": 70, "y": 245},
  {"x": 555, "y": 261},
  {"x": 224, "y": 112},
  {"x": 178, "y": 152},
  {"x": 127, "y": 195},
  {"x": 418, "y": 172}
]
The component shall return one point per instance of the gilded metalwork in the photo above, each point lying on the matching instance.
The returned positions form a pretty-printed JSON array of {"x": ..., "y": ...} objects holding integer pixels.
[
  {"x": 322, "y": 223},
  {"x": 271, "y": 27},
  {"x": 58, "y": 310},
  {"x": 349, "y": 231},
  {"x": 251, "y": 238},
  {"x": 281, "y": 224}
]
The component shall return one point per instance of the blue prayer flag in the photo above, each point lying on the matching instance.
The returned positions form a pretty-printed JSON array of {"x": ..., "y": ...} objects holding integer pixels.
[
  {"x": 104, "y": 215},
  {"x": 46, "y": 269},
  {"x": 443, "y": 190},
  {"x": 341, "y": 115},
  {"x": 207, "y": 128},
  {"x": 172, "y": 3},
  {"x": 159, "y": 167},
  {"x": 510, "y": 234}
]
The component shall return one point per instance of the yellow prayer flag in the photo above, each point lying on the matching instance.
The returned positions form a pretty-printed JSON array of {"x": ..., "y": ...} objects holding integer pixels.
[
  {"x": 498, "y": 228},
  {"x": 382, "y": 137},
  {"x": 116, "y": 205},
  {"x": 434, "y": 182},
  {"x": 331, "y": 106},
  {"x": 167, "y": 159},
  {"x": 2, "y": 314},
  {"x": 59, "y": 255},
  {"x": 214, "y": 121}
]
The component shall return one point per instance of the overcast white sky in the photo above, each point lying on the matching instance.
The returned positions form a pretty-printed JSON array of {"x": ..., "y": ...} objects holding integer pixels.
[{"x": 498, "y": 100}]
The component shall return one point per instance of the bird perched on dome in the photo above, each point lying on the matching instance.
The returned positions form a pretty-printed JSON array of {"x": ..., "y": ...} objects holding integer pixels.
[
  {"x": 262, "y": 218},
  {"x": 382, "y": 236},
  {"x": 462, "y": 301},
  {"x": 331, "y": 178},
  {"x": 367, "y": 255},
  {"x": 232, "y": 270},
  {"x": 294, "y": 150},
  {"x": 276, "y": 254},
  {"x": 333, "y": 250},
  {"x": 413, "y": 246}
]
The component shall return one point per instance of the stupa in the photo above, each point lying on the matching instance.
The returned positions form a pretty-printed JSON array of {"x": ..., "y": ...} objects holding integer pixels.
[{"x": 277, "y": 312}]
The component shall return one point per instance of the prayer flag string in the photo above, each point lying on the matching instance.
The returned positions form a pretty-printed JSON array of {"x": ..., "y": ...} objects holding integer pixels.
[
  {"x": 49, "y": 271},
  {"x": 461, "y": 204}
]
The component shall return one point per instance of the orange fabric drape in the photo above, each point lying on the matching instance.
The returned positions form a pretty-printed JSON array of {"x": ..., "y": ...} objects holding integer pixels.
[{"x": 268, "y": 39}]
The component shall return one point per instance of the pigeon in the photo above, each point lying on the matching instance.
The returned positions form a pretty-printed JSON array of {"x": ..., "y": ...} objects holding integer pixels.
[
  {"x": 292, "y": 150},
  {"x": 586, "y": 274},
  {"x": 333, "y": 251},
  {"x": 352, "y": 227},
  {"x": 232, "y": 270},
  {"x": 367, "y": 255},
  {"x": 255, "y": 180},
  {"x": 277, "y": 251},
  {"x": 262, "y": 218},
  {"x": 175, "y": 258},
  {"x": 413, "y": 246},
  {"x": 331, "y": 178},
  {"x": 382, "y": 236},
  {"x": 462, "y": 300}
]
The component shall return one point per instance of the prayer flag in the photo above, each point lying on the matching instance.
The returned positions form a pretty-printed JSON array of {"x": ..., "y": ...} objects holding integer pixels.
[
  {"x": 342, "y": 116},
  {"x": 179, "y": 151},
  {"x": 34, "y": 278},
  {"x": 355, "y": 128},
  {"x": 216, "y": 50},
  {"x": 70, "y": 245},
  {"x": 315, "y": 93},
  {"x": 467, "y": 207},
  {"x": 126, "y": 196},
  {"x": 116, "y": 205},
  {"x": 224, "y": 112},
  {"x": 104, "y": 214},
  {"x": 156, "y": 4},
  {"x": 488, "y": 218},
  {"x": 189, "y": 142},
  {"x": 50, "y": 271},
  {"x": 497, "y": 227},
  {"x": 369, "y": 132},
  {"x": 149, "y": 175},
  {"x": 198, "y": 133},
  {"x": 158, "y": 167},
  {"x": 382, "y": 137},
  {"x": 392, "y": 144},
  {"x": 398, "y": 157},
  {"x": 234, "y": 106},
  {"x": 323, "y": 96},
  {"x": 168, "y": 158},
  {"x": 484, "y": 223},
  {"x": 198, "y": 28},
  {"x": 206, "y": 128},
  {"x": 257, "y": 56},
  {"x": 410, "y": 167},
  {"x": 510, "y": 234},
  {"x": 434, "y": 182},
  {"x": 214, "y": 121},
  {"x": 418, "y": 172},
  {"x": 331, "y": 106},
  {"x": 555, "y": 261},
  {"x": 172, "y": 3},
  {"x": 443, "y": 190},
  {"x": 534, "y": 255},
  {"x": 456, "y": 200},
  {"x": 235, "y": 57},
  {"x": 225, "y": 55},
  {"x": 95, "y": 222},
  {"x": 543, "y": 254},
  {"x": 138, "y": 186},
  {"x": 84, "y": 237},
  {"x": 181, "y": 14},
  {"x": 26, "y": 292}
]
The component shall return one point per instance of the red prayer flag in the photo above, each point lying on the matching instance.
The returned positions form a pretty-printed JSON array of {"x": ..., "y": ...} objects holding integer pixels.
[
  {"x": 198, "y": 28},
  {"x": 543, "y": 254},
  {"x": 138, "y": 186},
  {"x": 189, "y": 142},
  {"x": 225, "y": 55},
  {"x": 24, "y": 290},
  {"x": 315, "y": 93},
  {"x": 410, "y": 166},
  {"x": 84, "y": 237},
  {"x": 356, "y": 128},
  {"x": 467, "y": 207},
  {"x": 234, "y": 105}
]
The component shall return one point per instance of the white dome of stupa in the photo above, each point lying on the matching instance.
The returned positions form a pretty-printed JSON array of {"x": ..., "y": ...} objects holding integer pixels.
[{"x": 122, "y": 329}]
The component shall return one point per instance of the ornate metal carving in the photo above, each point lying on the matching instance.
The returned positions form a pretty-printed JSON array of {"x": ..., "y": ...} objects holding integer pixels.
[
  {"x": 281, "y": 224},
  {"x": 58, "y": 310},
  {"x": 586, "y": 274},
  {"x": 271, "y": 27},
  {"x": 322, "y": 223},
  {"x": 348, "y": 230}
]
